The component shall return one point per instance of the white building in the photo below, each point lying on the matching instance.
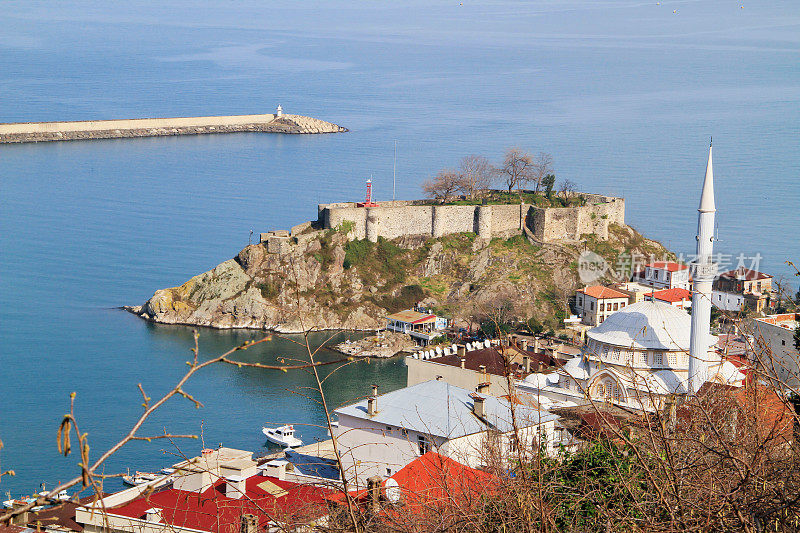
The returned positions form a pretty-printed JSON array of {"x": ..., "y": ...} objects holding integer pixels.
[
  {"x": 636, "y": 358},
  {"x": 382, "y": 434},
  {"x": 727, "y": 301},
  {"x": 774, "y": 352},
  {"x": 596, "y": 303},
  {"x": 421, "y": 326},
  {"x": 651, "y": 349},
  {"x": 664, "y": 275}
]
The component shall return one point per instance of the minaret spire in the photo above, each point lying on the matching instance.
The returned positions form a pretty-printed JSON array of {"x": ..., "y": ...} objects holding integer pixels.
[{"x": 703, "y": 271}]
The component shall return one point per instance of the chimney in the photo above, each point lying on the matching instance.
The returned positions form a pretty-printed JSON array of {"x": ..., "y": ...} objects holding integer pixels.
[
  {"x": 249, "y": 524},
  {"x": 374, "y": 491},
  {"x": 478, "y": 405},
  {"x": 483, "y": 388},
  {"x": 235, "y": 486},
  {"x": 482, "y": 370},
  {"x": 153, "y": 514},
  {"x": 372, "y": 402},
  {"x": 526, "y": 364},
  {"x": 462, "y": 351},
  {"x": 463, "y": 362},
  {"x": 277, "y": 468},
  {"x": 536, "y": 345},
  {"x": 523, "y": 345}
]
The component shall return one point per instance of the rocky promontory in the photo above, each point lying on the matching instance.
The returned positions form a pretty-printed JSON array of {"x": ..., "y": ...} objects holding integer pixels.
[{"x": 324, "y": 279}]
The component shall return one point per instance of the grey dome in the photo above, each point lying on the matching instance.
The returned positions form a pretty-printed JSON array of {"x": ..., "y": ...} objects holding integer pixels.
[{"x": 646, "y": 326}]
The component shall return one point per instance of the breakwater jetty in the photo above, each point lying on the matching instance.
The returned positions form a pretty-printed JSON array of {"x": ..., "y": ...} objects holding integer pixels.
[{"x": 24, "y": 132}]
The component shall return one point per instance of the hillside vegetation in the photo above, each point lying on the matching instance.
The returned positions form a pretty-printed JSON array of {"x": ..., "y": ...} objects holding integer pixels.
[{"x": 335, "y": 282}]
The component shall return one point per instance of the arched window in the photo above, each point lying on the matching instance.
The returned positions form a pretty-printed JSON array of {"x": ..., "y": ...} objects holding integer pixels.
[
  {"x": 599, "y": 391},
  {"x": 617, "y": 394}
]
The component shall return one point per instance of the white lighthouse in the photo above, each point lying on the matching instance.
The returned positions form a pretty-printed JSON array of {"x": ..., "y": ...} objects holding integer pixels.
[{"x": 703, "y": 271}]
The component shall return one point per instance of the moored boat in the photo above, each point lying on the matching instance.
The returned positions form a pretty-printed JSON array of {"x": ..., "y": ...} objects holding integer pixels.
[{"x": 283, "y": 435}]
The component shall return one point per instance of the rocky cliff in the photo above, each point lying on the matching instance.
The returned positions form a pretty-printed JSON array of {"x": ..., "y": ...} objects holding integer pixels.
[{"x": 327, "y": 281}]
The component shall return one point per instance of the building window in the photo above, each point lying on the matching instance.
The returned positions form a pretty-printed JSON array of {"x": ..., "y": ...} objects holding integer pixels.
[
  {"x": 658, "y": 359},
  {"x": 616, "y": 354},
  {"x": 672, "y": 359},
  {"x": 621, "y": 305},
  {"x": 424, "y": 444},
  {"x": 643, "y": 358},
  {"x": 591, "y": 306},
  {"x": 602, "y": 307},
  {"x": 388, "y": 472},
  {"x": 655, "y": 274},
  {"x": 580, "y": 301}
]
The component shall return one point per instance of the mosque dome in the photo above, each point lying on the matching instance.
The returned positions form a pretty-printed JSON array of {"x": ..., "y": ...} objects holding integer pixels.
[
  {"x": 542, "y": 380},
  {"x": 646, "y": 326}
]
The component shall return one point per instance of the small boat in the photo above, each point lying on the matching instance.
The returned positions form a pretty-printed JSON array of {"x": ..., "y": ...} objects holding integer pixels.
[
  {"x": 19, "y": 502},
  {"x": 283, "y": 435},
  {"x": 139, "y": 478}
]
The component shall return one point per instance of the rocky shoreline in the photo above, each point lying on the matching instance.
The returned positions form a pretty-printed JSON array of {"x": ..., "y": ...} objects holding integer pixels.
[{"x": 326, "y": 280}]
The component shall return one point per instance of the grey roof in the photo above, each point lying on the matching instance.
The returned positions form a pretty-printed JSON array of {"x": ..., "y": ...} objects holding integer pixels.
[{"x": 438, "y": 408}]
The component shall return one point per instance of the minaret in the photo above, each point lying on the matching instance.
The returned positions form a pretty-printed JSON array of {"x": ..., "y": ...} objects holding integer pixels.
[{"x": 703, "y": 272}]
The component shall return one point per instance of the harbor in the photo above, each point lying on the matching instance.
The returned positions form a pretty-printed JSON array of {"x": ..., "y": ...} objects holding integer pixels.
[{"x": 278, "y": 122}]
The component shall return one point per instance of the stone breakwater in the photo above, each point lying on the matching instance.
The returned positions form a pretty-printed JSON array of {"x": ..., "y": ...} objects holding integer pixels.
[{"x": 153, "y": 127}]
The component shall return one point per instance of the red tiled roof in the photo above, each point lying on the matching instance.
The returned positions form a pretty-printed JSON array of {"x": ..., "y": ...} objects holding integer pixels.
[
  {"x": 494, "y": 361},
  {"x": 435, "y": 483},
  {"x": 672, "y": 295},
  {"x": 213, "y": 511},
  {"x": 746, "y": 273},
  {"x": 600, "y": 292},
  {"x": 669, "y": 266}
]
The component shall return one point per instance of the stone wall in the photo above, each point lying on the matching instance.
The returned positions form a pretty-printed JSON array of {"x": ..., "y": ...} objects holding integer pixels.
[{"x": 399, "y": 218}]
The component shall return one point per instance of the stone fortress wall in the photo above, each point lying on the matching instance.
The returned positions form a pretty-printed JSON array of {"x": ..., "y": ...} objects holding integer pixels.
[{"x": 422, "y": 217}]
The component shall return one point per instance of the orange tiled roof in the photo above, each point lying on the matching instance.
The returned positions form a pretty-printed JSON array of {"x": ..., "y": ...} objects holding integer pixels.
[
  {"x": 600, "y": 292},
  {"x": 672, "y": 295},
  {"x": 670, "y": 266}
]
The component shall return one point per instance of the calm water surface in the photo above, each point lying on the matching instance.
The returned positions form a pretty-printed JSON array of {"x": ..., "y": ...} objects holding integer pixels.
[{"x": 624, "y": 94}]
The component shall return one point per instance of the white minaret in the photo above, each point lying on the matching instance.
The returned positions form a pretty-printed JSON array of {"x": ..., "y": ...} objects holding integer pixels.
[{"x": 703, "y": 272}]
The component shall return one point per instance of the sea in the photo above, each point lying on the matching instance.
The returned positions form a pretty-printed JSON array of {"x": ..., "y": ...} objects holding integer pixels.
[{"x": 625, "y": 94}]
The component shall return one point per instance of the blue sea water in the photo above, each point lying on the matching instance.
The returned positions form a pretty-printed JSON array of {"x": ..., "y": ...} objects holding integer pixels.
[{"x": 623, "y": 93}]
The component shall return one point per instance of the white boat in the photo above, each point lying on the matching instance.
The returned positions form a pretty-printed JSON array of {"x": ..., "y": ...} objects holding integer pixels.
[
  {"x": 283, "y": 435},
  {"x": 139, "y": 478}
]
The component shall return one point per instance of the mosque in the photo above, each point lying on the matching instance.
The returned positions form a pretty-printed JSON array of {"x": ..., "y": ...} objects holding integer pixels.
[{"x": 650, "y": 350}]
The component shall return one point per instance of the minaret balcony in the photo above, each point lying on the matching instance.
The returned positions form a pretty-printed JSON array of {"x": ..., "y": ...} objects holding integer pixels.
[{"x": 704, "y": 270}]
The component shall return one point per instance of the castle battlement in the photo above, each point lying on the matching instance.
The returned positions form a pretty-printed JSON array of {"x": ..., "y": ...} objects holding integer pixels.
[{"x": 423, "y": 217}]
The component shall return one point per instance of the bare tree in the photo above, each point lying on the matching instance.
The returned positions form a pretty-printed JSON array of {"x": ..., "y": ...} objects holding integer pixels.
[
  {"x": 443, "y": 185},
  {"x": 565, "y": 190},
  {"x": 542, "y": 166},
  {"x": 477, "y": 174},
  {"x": 517, "y": 168}
]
